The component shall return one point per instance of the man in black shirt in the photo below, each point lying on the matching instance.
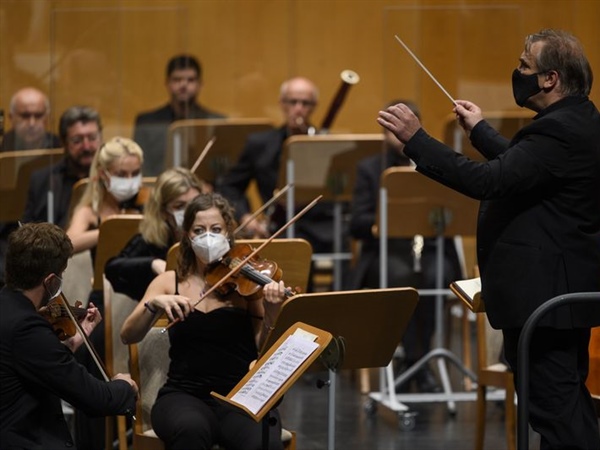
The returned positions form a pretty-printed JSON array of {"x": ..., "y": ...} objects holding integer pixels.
[{"x": 81, "y": 135}]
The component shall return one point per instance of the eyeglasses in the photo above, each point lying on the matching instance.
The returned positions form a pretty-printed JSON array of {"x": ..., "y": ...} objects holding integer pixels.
[
  {"x": 294, "y": 101},
  {"x": 32, "y": 115},
  {"x": 79, "y": 138}
]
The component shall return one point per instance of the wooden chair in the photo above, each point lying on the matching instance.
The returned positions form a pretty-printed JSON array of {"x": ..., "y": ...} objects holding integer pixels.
[
  {"x": 15, "y": 170},
  {"x": 149, "y": 363},
  {"x": 114, "y": 234},
  {"x": 492, "y": 373}
]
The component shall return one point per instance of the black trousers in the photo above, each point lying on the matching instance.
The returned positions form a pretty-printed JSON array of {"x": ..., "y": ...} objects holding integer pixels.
[
  {"x": 185, "y": 422},
  {"x": 561, "y": 408}
]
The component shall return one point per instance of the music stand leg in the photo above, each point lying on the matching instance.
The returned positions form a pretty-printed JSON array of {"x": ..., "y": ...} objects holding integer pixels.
[
  {"x": 337, "y": 246},
  {"x": 265, "y": 431},
  {"x": 438, "y": 352},
  {"x": 331, "y": 411}
]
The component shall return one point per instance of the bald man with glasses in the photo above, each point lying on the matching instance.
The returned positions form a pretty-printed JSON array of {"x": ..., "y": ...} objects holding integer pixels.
[{"x": 28, "y": 114}]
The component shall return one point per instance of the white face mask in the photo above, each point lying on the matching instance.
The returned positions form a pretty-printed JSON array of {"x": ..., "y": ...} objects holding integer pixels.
[
  {"x": 209, "y": 247},
  {"x": 123, "y": 188},
  {"x": 178, "y": 216}
]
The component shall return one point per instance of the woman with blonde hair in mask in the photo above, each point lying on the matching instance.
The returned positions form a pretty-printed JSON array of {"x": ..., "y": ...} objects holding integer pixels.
[
  {"x": 214, "y": 343},
  {"x": 145, "y": 254},
  {"x": 115, "y": 181}
]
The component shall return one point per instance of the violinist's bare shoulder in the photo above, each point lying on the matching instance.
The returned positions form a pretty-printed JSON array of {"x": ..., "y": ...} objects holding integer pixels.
[{"x": 164, "y": 283}]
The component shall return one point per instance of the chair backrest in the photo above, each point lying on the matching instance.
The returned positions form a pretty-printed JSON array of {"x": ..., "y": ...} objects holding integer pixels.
[
  {"x": 114, "y": 233},
  {"x": 149, "y": 364},
  {"x": 15, "y": 170},
  {"x": 117, "y": 308},
  {"x": 293, "y": 257}
]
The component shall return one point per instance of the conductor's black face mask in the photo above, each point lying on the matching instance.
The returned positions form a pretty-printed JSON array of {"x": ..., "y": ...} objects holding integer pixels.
[{"x": 524, "y": 86}]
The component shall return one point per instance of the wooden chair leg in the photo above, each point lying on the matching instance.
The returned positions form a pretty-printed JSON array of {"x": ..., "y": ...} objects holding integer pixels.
[
  {"x": 480, "y": 419},
  {"x": 365, "y": 381},
  {"x": 122, "y": 432},
  {"x": 510, "y": 416},
  {"x": 466, "y": 338}
]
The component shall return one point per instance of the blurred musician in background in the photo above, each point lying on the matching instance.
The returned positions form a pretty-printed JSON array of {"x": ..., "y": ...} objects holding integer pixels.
[
  {"x": 260, "y": 161},
  {"x": 28, "y": 114},
  {"x": 183, "y": 83},
  {"x": 80, "y": 131}
]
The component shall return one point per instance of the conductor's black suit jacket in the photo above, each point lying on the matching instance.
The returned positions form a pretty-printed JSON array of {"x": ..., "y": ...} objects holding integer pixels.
[
  {"x": 36, "y": 371},
  {"x": 539, "y": 217}
]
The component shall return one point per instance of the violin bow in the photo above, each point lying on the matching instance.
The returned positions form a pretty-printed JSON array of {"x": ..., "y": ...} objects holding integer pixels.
[
  {"x": 90, "y": 347},
  {"x": 207, "y": 147},
  {"x": 256, "y": 213},
  {"x": 237, "y": 268}
]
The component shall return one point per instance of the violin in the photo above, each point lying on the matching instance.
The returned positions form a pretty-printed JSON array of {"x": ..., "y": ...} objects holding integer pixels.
[
  {"x": 248, "y": 282},
  {"x": 56, "y": 313}
]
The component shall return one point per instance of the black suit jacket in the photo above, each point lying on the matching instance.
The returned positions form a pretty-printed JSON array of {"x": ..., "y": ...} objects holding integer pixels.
[
  {"x": 10, "y": 142},
  {"x": 36, "y": 371},
  {"x": 539, "y": 217},
  {"x": 151, "y": 130},
  {"x": 130, "y": 272},
  {"x": 57, "y": 178}
]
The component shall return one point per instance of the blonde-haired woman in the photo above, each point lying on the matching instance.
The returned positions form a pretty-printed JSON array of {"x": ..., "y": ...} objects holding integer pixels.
[
  {"x": 145, "y": 254},
  {"x": 115, "y": 180}
]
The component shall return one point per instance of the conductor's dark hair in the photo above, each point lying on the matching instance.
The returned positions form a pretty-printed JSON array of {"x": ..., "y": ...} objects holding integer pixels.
[{"x": 184, "y": 61}]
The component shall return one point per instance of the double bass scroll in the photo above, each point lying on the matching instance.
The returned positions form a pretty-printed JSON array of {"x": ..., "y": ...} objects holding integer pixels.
[{"x": 349, "y": 79}]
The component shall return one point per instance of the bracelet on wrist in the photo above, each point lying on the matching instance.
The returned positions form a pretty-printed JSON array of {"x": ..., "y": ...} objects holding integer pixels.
[{"x": 149, "y": 307}]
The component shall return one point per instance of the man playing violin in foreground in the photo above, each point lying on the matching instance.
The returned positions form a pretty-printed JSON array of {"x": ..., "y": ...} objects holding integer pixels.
[
  {"x": 36, "y": 369},
  {"x": 214, "y": 342}
]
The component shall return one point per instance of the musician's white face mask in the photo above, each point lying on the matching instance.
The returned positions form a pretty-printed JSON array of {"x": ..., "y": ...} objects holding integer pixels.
[
  {"x": 123, "y": 188},
  {"x": 178, "y": 217},
  {"x": 210, "y": 247}
]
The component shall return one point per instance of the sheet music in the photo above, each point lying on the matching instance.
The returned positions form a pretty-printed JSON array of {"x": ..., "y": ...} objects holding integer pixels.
[{"x": 275, "y": 372}]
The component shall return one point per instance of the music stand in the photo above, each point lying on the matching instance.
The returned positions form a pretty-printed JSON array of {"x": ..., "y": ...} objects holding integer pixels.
[
  {"x": 325, "y": 165},
  {"x": 411, "y": 204},
  {"x": 349, "y": 316},
  {"x": 16, "y": 168},
  {"x": 187, "y": 139}
]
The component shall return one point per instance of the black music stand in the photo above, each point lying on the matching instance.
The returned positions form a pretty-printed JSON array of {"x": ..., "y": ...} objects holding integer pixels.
[
  {"x": 187, "y": 139},
  {"x": 325, "y": 165},
  {"x": 412, "y": 204},
  {"x": 350, "y": 317}
]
